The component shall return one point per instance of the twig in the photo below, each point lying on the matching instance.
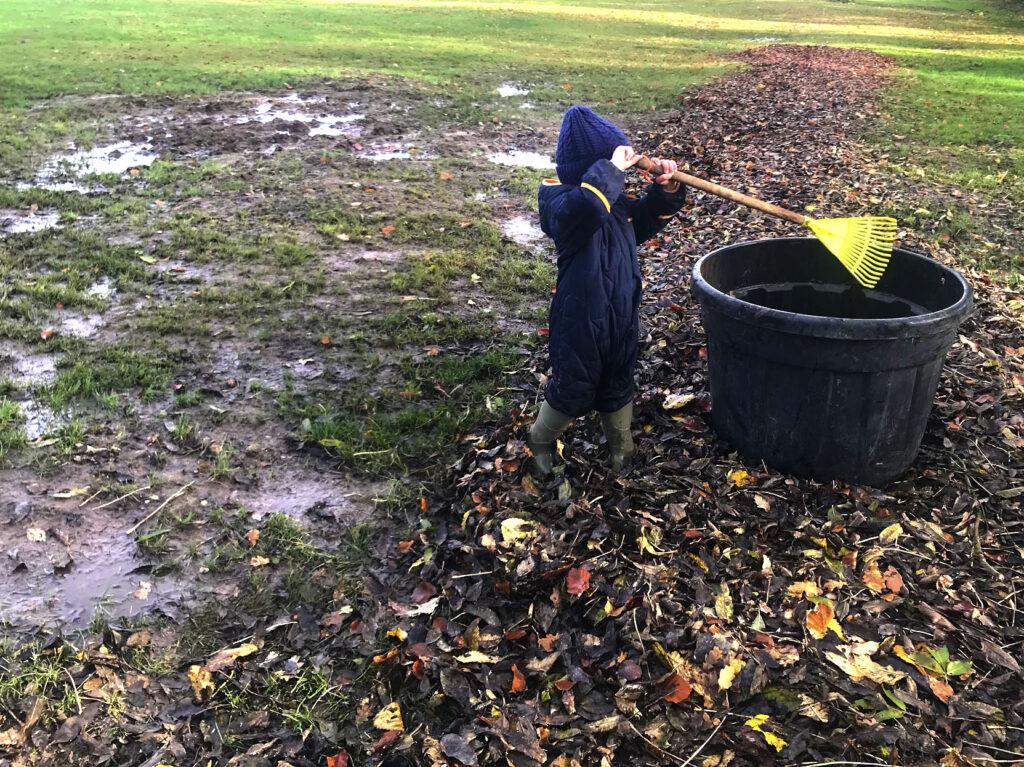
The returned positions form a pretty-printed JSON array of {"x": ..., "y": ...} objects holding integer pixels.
[
  {"x": 78, "y": 699},
  {"x": 126, "y": 495},
  {"x": 657, "y": 748},
  {"x": 157, "y": 510},
  {"x": 979, "y": 553}
]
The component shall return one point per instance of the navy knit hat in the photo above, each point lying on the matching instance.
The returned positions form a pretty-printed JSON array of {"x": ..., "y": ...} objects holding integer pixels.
[{"x": 585, "y": 138}]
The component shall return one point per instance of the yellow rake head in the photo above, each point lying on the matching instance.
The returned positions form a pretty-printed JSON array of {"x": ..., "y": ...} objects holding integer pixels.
[{"x": 863, "y": 245}]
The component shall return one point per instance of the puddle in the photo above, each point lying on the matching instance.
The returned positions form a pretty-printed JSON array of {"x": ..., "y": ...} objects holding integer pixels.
[
  {"x": 306, "y": 491},
  {"x": 63, "y": 171},
  {"x": 102, "y": 289},
  {"x": 26, "y": 222},
  {"x": 81, "y": 326},
  {"x": 520, "y": 159},
  {"x": 290, "y": 109},
  {"x": 385, "y": 152},
  {"x": 523, "y": 231},
  {"x": 33, "y": 369},
  {"x": 39, "y": 419},
  {"x": 509, "y": 89},
  {"x": 79, "y": 569}
]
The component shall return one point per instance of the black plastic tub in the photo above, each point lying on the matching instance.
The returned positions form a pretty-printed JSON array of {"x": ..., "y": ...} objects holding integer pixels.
[{"x": 814, "y": 375}]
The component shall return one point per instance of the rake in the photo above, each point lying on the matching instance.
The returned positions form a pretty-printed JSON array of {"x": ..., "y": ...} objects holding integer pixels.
[{"x": 863, "y": 245}]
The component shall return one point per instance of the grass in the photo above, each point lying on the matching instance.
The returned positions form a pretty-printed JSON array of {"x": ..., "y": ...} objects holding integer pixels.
[{"x": 12, "y": 436}]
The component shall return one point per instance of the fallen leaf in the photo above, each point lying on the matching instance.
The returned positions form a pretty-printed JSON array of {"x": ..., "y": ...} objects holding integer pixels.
[
  {"x": 578, "y": 580},
  {"x": 518, "y": 680},
  {"x": 36, "y": 534},
  {"x": 723, "y": 603},
  {"x": 803, "y": 589},
  {"x": 728, "y": 673},
  {"x": 224, "y": 658},
  {"x": 820, "y": 618},
  {"x": 340, "y": 759},
  {"x": 678, "y": 689},
  {"x": 259, "y": 561},
  {"x": 856, "y": 661},
  {"x": 941, "y": 688},
  {"x": 389, "y": 718},
  {"x": 201, "y": 681},
  {"x": 475, "y": 656},
  {"x": 253, "y": 536},
  {"x": 740, "y": 477},
  {"x": 757, "y": 724},
  {"x": 455, "y": 747},
  {"x": 514, "y": 529},
  {"x": 891, "y": 534}
]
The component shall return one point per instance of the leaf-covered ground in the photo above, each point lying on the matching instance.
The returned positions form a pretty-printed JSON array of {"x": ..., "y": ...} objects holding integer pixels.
[{"x": 703, "y": 610}]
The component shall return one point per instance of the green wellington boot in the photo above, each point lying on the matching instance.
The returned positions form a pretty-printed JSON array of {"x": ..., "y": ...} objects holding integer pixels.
[
  {"x": 619, "y": 433},
  {"x": 541, "y": 441}
]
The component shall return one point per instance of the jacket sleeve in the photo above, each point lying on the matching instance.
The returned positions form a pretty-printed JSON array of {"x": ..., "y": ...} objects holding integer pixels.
[
  {"x": 651, "y": 212},
  {"x": 571, "y": 217}
]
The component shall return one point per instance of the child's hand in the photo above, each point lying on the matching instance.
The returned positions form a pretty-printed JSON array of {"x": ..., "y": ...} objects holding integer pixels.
[
  {"x": 624, "y": 157},
  {"x": 668, "y": 167}
]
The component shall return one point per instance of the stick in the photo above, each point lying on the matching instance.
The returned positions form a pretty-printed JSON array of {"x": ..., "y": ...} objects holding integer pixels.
[
  {"x": 157, "y": 510},
  {"x": 727, "y": 193},
  {"x": 126, "y": 495}
]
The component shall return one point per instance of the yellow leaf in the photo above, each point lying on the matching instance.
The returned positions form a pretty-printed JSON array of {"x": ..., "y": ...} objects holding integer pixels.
[
  {"x": 728, "y": 674},
  {"x": 259, "y": 561},
  {"x": 73, "y": 492},
  {"x": 803, "y": 589},
  {"x": 475, "y": 656},
  {"x": 856, "y": 661},
  {"x": 398, "y": 633},
  {"x": 723, "y": 603},
  {"x": 872, "y": 578},
  {"x": 224, "y": 658},
  {"x": 740, "y": 477},
  {"x": 389, "y": 718},
  {"x": 201, "y": 681},
  {"x": 891, "y": 534},
  {"x": 756, "y": 723},
  {"x": 514, "y": 529}
]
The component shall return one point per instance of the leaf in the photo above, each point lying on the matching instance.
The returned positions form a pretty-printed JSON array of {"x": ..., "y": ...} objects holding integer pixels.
[
  {"x": 728, "y": 674},
  {"x": 201, "y": 681},
  {"x": 740, "y": 477},
  {"x": 147, "y": 259},
  {"x": 891, "y": 534},
  {"x": 578, "y": 580},
  {"x": 72, "y": 493},
  {"x": 475, "y": 656},
  {"x": 259, "y": 561},
  {"x": 47, "y": 333},
  {"x": 389, "y": 718},
  {"x": 762, "y": 502},
  {"x": 941, "y": 688},
  {"x": 387, "y": 229},
  {"x": 340, "y": 759},
  {"x": 224, "y": 658},
  {"x": 757, "y": 724},
  {"x": 455, "y": 747},
  {"x": 872, "y": 577},
  {"x": 253, "y": 536},
  {"x": 959, "y": 667},
  {"x": 678, "y": 689},
  {"x": 820, "y": 618},
  {"x": 723, "y": 603},
  {"x": 518, "y": 680},
  {"x": 677, "y": 401},
  {"x": 423, "y": 591},
  {"x": 856, "y": 661},
  {"x": 515, "y": 529},
  {"x": 36, "y": 534},
  {"x": 803, "y": 589}
]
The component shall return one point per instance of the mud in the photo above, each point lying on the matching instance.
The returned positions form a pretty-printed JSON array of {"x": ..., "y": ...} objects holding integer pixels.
[
  {"x": 88, "y": 564},
  {"x": 27, "y": 222}
]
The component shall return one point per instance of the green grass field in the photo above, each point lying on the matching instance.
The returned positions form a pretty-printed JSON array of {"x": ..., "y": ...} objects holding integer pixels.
[{"x": 963, "y": 58}]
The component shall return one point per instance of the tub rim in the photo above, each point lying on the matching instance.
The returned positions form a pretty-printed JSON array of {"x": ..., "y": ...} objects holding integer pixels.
[{"x": 797, "y": 323}]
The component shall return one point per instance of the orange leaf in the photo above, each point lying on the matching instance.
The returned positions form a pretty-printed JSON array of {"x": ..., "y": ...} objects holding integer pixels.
[
  {"x": 444, "y": 175},
  {"x": 893, "y": 580},
  {"x": 47, "y": 333},
  {"x": 941, "y": 688},
  {"x": 340, "y": 759},
  {"x": 547, "y": 643},
  {"x": 518, "y": 679},
  {"x": 872, "y": 578},
  {"x": 325, "y": 340},
  {"x": 819, "y": 618},
  {"x": 578, "y": 580},
  {"x": 404, "y": 547},
  {"x": 678, "y": 690},
  {"x": 387, "y": 229},
  {"x": 565, "y": 684}
]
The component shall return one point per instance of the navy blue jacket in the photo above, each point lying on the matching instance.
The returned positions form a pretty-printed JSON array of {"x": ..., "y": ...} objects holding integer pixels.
[{"x": 595, "y": 313}]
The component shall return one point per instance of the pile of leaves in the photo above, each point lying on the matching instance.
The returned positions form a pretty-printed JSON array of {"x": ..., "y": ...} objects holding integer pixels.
[
  {"x": 709, "y": 611},
  {"x": 703, "y": 610}
]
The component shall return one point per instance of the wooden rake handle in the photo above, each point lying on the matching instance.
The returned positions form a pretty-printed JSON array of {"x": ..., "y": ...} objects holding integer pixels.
[{"x": 727, "y": 193}]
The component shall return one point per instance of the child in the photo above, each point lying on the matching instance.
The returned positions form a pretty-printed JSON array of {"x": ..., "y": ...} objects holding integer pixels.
[{"x": 594, "y": 319}]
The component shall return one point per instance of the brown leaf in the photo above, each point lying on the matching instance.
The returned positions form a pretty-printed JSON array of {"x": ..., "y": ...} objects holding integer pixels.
[
  {"x": 518, "y": 680},
  {"x": 678, "y": 689},
  {"x": 253, "y": 536},
  {"x": 578, "y": 580},
  {"x": 941, "y": 688},
  {"x": 424, "y": 591},
  {"x": 225, "y": 658},
  {"x": 340, "y": 759}
]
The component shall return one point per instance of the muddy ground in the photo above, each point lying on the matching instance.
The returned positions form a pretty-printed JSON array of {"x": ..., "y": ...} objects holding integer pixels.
[{"x": 243, "y": 268}]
